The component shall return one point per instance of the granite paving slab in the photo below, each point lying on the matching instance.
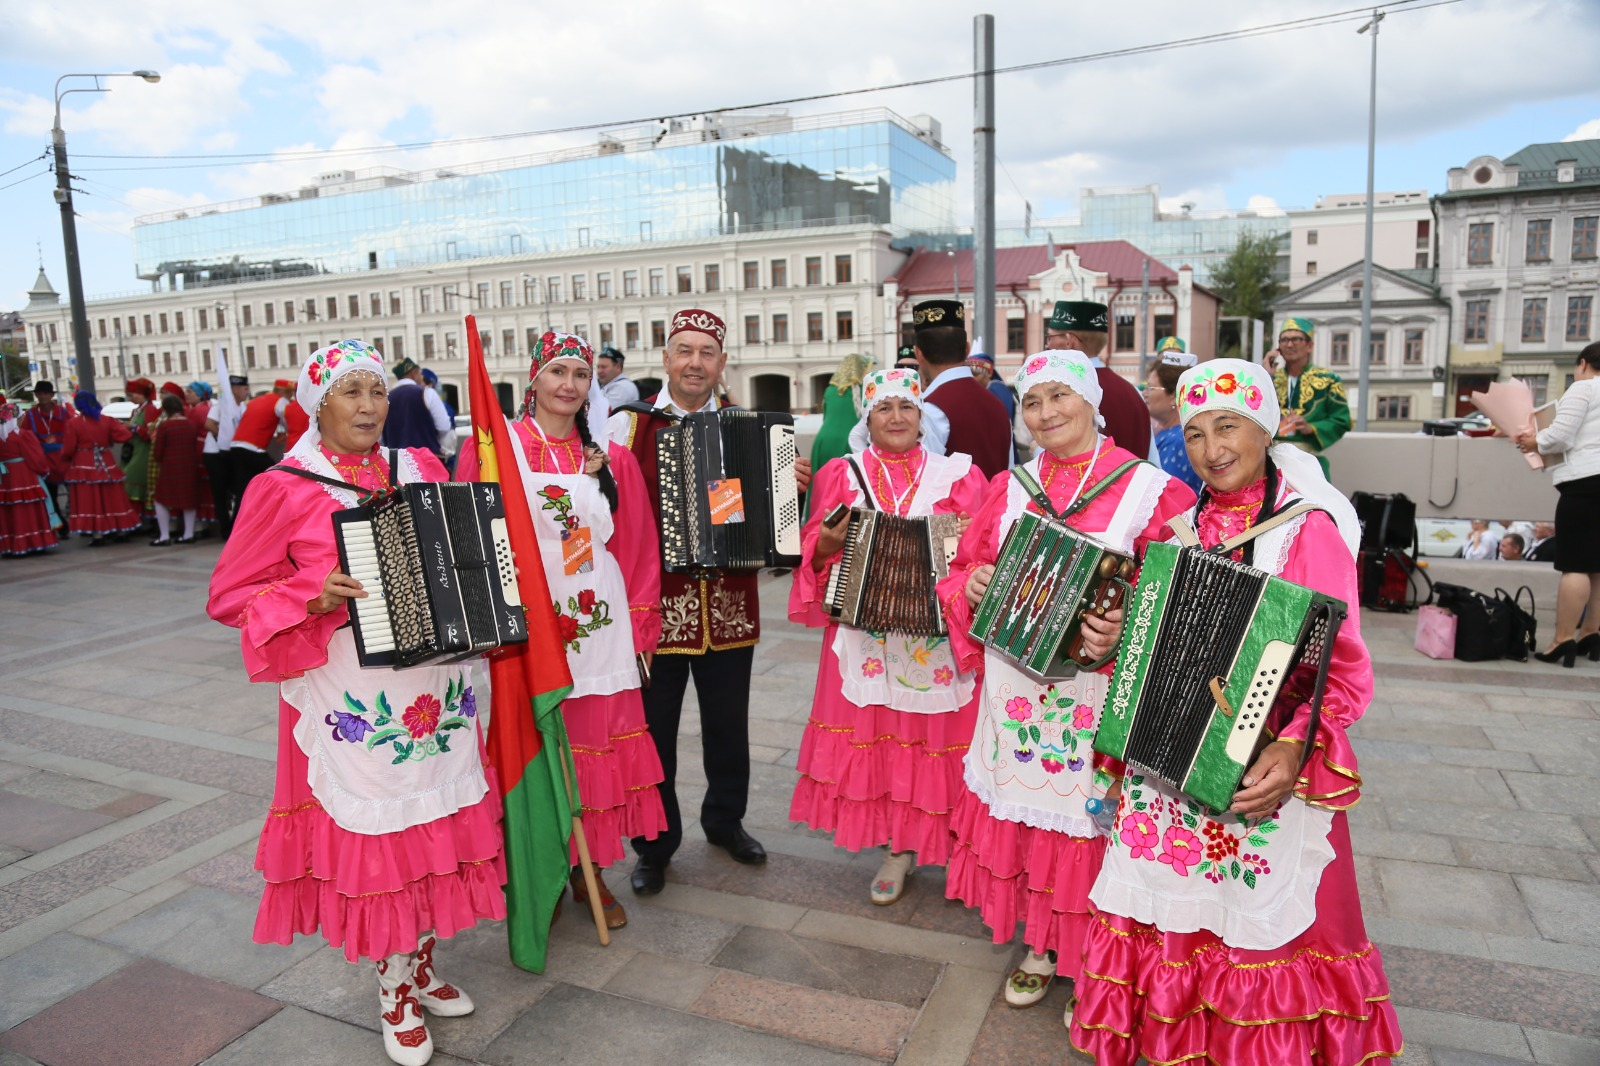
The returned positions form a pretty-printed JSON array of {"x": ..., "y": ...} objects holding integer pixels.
[
  {"x": 662, "y": 980},
  {"x": 294, "y": 1036},
  {"x": 852, "y": 971},
  {"x": 1563, "y": 910},
  {"x": 46, "y": 972},
  {"x": 1484, "y": 900},
  {"x": 855, "y": 1024},
  {"x": 208, "y": 932},
  {"x": 36, "y": 825},
  {"x": 76, "y": 792},
  {"x": 1503, "y": 991}
]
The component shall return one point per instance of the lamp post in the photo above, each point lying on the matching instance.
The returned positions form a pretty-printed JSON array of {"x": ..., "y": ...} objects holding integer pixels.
[
  {"x": 69, "y": 226},
  {"x": 1366, "y": 265}
]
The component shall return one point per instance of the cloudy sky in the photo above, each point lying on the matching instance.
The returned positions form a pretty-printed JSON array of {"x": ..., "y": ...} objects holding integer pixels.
[{"x": 1277, "y": 119}]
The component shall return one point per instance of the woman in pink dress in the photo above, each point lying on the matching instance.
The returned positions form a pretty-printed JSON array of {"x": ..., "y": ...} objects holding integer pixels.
[
  {"x": 384, "y": 830},
  {"x": 25, "y": 525},
  {"x": 1027, "y": 849},
  {"x": 1237, "y": 936},
  {"x": 597, "y": 538},
  {"x": 880, "y": 761},
  {"x": 97, "y": 502}
]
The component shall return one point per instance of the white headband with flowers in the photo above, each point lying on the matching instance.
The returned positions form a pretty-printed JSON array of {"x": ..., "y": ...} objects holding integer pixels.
[
  {"x": 1233, "y": 385},
  {"x": 1068, "y": 367},
  {"x": 882, "y": 385}
]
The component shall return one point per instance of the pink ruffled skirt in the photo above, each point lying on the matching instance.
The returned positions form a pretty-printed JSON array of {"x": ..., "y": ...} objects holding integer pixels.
[
  {"x": 24, "y": 519},
  {"x": 1323, "y": 997},
  {"x": 873, "y": 776},
  {"x": 373, "y": 896},
  {"x": 618, "y": 773},
  {"x": 1015, "y": 873}
]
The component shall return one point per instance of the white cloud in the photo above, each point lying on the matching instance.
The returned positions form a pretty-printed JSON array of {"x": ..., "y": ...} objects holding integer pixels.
[
  {"x": 1587, "y": 132},
  {"x": 1265, "y": 206}
]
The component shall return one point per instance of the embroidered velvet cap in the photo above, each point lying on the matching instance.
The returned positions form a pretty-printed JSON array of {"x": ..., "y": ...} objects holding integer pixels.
[
  {"x": 1171, "y": 344},
  {"x": 1297, "y": 325},
  {"x": 1079, "y": 316},
  {"x": 698, "y": 321},
  {"x": 938, "y": 314},
  {"x": 404, "y": 367},
  {"x": 238, "y": 379}
]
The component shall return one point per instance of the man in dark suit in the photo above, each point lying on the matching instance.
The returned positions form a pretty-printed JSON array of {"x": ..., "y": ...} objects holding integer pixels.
[{"x": 1083, "y": 325}]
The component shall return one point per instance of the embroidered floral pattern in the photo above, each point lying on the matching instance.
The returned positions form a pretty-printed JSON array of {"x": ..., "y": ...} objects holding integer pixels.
[
  {"x": 1057, "y": 725},
  {"x": 1190, "y": 839},
  {"x": 872, "y": 668},
  {"x": 585, "y": 614},
  {"x": 943, "y": 676},
  {"x": 680, "y": 616},
  {"x": 729, "y": 618},
  {"x": 559, "y": 500},
  {"x": 423, "y": 729}
]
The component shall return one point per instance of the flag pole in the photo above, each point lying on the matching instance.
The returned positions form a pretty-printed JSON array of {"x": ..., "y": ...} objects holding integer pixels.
[{"x": 585, "y": 863}]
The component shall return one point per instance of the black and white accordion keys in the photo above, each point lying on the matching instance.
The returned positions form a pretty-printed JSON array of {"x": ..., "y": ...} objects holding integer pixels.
[
  {"x": 712, "y": 448},
  {"x": 887, "y": 575},
  {"x": 435, "y": 561}
]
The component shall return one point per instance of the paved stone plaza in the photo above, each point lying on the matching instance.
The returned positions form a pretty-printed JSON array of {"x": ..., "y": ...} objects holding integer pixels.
[{"x": 136, "y": 765}]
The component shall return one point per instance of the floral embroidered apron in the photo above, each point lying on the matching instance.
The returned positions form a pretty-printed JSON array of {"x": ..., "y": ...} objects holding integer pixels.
[
  {"x": 897, "y": 670},
  {"x": 1032, "y": 755},
  {"x": 385, "y": 749},
  {"x": 1181, "y": 868}
]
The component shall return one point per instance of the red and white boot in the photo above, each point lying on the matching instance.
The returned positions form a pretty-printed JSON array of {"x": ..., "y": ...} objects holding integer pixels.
[
  {"x": 405, "y": 1036},
  {"x": 439, "y": 997}
]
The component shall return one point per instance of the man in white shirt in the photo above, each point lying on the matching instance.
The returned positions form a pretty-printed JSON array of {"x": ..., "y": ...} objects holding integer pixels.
[
  {"x": 616, "y": 384},
  {"x": 221, "y": 422}
]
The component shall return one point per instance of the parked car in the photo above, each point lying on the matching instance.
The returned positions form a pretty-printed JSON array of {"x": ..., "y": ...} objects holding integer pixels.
[
  {"x": 121, "y": 410},
  {"x": 1473, "y": 425}
]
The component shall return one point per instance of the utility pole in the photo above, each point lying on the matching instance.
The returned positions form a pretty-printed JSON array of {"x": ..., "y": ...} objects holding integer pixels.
[
  {"x": 122, "y": 360},
  {"x": 1144, "y": 319},
  {"x": 1366, "y": 266},
  {"x": 983, "y": 178}
]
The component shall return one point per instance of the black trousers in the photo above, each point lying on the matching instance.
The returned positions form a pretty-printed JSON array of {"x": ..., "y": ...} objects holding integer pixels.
[
  {"x": 722, "y": 684},
  {"x": 245, "y": 465},
  {"x": 219, "y": 469}
]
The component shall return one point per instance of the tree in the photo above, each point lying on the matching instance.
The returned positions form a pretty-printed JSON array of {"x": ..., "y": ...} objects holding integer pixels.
[{"x": 1245, "y": 279}]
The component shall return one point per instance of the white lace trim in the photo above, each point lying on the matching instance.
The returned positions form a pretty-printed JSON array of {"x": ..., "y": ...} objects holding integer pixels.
[
  {"x": 982, "y": 786},
  {"x": 310, "y": 457}
]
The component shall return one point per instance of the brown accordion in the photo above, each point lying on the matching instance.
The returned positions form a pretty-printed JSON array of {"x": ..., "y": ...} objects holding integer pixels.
[{"x": 887, "y": 577}]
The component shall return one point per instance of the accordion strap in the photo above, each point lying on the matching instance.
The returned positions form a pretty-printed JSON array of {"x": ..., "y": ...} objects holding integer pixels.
[
  {"x": 300, "y": 471},
  {"x": 861, "y": 479},
  {"x": 1335, "y": 619},
  {"x": 1036, "y": 492},
  {"x": 640, "y": 407}
]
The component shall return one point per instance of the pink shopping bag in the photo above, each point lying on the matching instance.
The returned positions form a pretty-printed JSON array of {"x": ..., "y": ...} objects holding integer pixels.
[{"x": 1436, "y": 632}]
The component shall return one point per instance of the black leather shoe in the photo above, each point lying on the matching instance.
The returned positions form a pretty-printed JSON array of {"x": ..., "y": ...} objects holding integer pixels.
[
  {"x": 741, "y": 845},
  {"x": 649, "y": 876}
]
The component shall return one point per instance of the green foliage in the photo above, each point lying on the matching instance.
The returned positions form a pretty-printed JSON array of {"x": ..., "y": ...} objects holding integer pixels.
[{"x": 1245, "y": 279}]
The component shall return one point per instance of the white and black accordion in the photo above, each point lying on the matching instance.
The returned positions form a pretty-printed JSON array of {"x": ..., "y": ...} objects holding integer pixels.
[
  {"x": 435, "y": 562},
  {"x": 1215, "y": 657},
  {"x": 887, "y": 575},
  {"x": 697, "y": 459}
]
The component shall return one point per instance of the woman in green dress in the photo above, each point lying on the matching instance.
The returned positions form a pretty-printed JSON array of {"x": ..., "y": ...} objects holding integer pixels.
[
  {"x": 136, "y": 471},
  {"x": 841, "y": 410}
]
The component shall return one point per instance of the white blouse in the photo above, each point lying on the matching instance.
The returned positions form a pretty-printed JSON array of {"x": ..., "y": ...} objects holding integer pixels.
[{"x": 1576, "y": 431}]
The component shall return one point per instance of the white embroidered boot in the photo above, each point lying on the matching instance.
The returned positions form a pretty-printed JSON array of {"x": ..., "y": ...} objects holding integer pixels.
[
  {"x": 439, "y": 997},
  {"x": 405, "y": 1036},
  {"x": 1030, "y": 980},
  {"x": 889, "y": 883}
]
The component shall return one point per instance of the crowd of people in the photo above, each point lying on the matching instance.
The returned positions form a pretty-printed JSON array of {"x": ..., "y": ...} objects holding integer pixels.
[{"x": 934, "y": 749}]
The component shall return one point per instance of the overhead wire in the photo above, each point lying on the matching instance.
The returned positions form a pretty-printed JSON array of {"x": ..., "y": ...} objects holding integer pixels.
[{"x": 1268, "y": 29}]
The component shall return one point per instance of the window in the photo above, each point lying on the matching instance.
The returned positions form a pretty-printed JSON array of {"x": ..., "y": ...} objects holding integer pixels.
[
  {"x": 752, "y": 275},
  {"x": 841, "y": 270},
  {"x": 166, "y": 362},
  {"x": 580, "y": 286},
  {"x": 1538, "y": 247},
  {"x": 177, "y": 324},
  {"x": 449, "y": 344},
  {"x": 427, "y": 346},
  {"x": 311, "y": 309},
  {"x": 813, "y": 270},
  {"x": 752, "y": 329},
  {"x": 333, "y": 308},
  {"x": 658, "y": 281},
  {"x": 1311, "y": 266},
  {"x": 780, "y": 273},
  {"x": 1391, "y": 408},
  {"x": 377, "y": 342},
  {"x": 844, "y": 325},
  {"x": 581, "y": 329},
  {"x": 1423, "y": 230},
  {"x": 398, "y": 348},
  {"x": 552, "y": 290},
  {"x": 1164, "y": 325},
  {"x": 508, "y": 342},
  {"x": 908, "y": 335},
  {"x": 1422, "y": 261},
  {"x": 294, "y": 354},
  {"x": 630, "y": 335},
  {"x": 713, "y": 277},
  {"x": 200, "y": 316},
  {"x": 1480, "y": 243},
  {"x": 1124, "y": 338},
  {"x": 658, "y": 334},
  {"x": 183, "y": 362},
  {"x": 1533, "y": 318},
  {"x": 163, "y": 320},
  {"x": 102, "y": 325},
  {"x": 1340, "y": 350},
  {"x": 630, "y": 283},
  {"x": 780, "y": 329},
  {"x": 814, "y": 325},
  {"x": 1311, "y": 236},
  {"x": 394, "y": 302},
  {"x": 1016, "y": 334},
  {"x": 425, "y": 301},
  {"x": 1578, "y": 311},
  {"x": 602, "y": 286},
  {"x": 147, "y": 329},
  {"x": 133, "y": 329},
  {"x": 1476, "y": 323},
  {"x": 288, "y": 311},
  {"x": 1413, "y": 352},
  {"x": 482, "y": 303},
  {"x": 530, "y": 291},
  {"x": 685, "y": 279},
  {"x": 1539, "y": 385},
  {"x": 375, "y": 306},
  {"x": 1584, "y": 233},
  {"x": 272, "y": 355},
  {"x": 532, "y": 336},
  {"x": 608, "y": 335},
  {"x": 449, "y": 297},
  {"x": 221, "y": 316},
  {"x": 483, "y": 339},
  {"x": 1380, "y": 348}
]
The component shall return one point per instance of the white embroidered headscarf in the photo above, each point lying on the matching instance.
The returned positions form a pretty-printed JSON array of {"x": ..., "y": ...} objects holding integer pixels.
[
  {"x": 323, "y": 368},
  {"x": 1068, "y": 367},
  {"x": 1246, "y": 389}
]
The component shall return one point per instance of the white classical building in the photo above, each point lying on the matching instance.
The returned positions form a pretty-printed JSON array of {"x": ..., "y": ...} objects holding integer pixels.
[
  {"x": 1518, "y": 244},
  {"x": 1330, "y": 236}
]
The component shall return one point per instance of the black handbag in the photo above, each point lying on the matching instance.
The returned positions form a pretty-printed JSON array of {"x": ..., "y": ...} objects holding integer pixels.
[
  {"x": 1522, "y": 629},
  {"x": 1483, "y": 623}
]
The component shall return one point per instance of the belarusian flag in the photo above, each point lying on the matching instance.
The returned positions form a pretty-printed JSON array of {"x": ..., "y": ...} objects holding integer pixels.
[{"x": 527, "y": 736}]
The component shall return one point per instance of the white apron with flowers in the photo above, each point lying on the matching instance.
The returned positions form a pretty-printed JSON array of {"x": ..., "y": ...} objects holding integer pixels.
[
  {"x": 897, "y": 670},
  {"x": 385, "y": 749},
  {"x": 1032, "y": 755},
  {"x": 1182, "y": 868}
]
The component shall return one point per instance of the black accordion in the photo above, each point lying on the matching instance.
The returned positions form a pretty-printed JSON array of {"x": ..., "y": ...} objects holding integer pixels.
[
  {"x": 887, "y": 575},
  {"x": 435, "y": 562},
  {"x": 697, "y": 460}
]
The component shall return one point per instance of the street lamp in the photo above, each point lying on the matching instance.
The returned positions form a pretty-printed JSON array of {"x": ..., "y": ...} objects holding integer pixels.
[
  {"x": 69, "y": 226},
  {"x": 1366, "y": 266}
]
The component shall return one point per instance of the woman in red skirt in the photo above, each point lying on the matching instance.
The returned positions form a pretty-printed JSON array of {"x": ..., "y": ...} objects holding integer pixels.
[
  {"x": 24, "y": 518},
  {"x": 98, "y": 503},
  {"x": 175, "y": 453}
]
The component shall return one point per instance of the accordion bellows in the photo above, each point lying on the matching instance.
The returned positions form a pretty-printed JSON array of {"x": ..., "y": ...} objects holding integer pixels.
[
  {"x": 435, "y": 562},
  {"x": 1200, "y": 624},
  {"x": 714, "y": 447},
  {"x": 886, "y": 578}
]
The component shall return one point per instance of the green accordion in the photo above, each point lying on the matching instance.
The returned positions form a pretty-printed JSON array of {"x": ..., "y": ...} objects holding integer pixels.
[
  {"x": 1215, "y": 657},
  {"x": 1045, "y": 579}
]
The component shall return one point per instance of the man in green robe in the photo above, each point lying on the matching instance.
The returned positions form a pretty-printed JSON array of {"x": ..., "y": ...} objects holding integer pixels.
[{"x": 1315, "y": 411}]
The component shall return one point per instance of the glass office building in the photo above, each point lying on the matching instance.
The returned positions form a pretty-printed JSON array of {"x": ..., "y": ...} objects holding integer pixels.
[{"x": 683, "y": 179}]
